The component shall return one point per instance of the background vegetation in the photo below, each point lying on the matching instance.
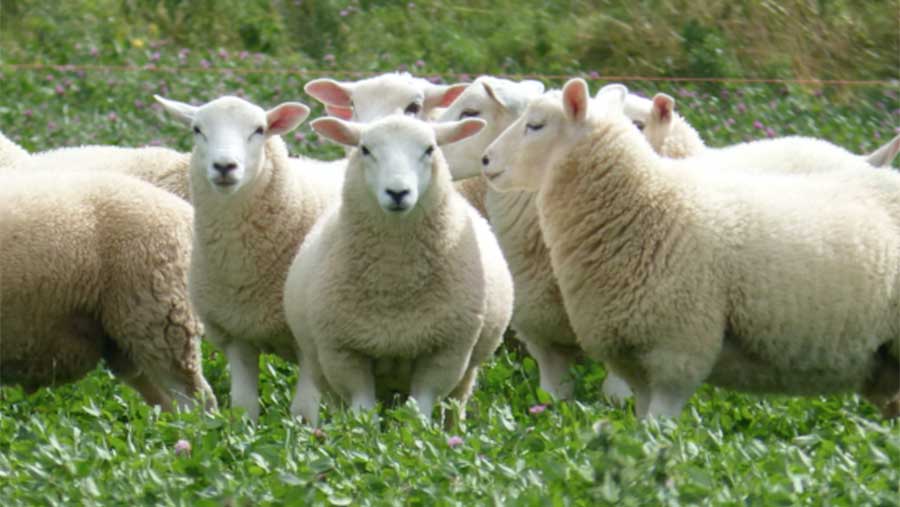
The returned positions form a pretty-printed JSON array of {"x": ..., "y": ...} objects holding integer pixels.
[{"x": 96, "y": 443}]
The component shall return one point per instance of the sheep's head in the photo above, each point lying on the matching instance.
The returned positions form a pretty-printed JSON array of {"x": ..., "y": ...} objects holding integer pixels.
[
  {"x": 548, "y": 130},
  {"x": 497, "y": 101},
  {"x": 381, "y": 96},
  {"x": 230, "y": 135},
  {"x": 398, "y": 155}
]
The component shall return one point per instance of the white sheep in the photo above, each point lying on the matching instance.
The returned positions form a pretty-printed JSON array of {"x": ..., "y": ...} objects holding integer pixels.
[
  {"x": 95, "y": 266},
  {"x": 675, "y": 274},
  {"x": 377, "y": 97},
  {"x": 402, "y": 286},
  {"x": 672, "y": 136},
  {"x": 161, "y": 167},
  {"x": 11, "y": 154},
  {"x": 539, "y": 318},
  {"x": 253, "y": 208}
]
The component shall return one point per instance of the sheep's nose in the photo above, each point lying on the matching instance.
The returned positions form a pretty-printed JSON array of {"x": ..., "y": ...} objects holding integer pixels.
[
  {"x": 224, "y": 167},
  {"x": 485, "y": 161},
  {"x": 397, "y": 195}
]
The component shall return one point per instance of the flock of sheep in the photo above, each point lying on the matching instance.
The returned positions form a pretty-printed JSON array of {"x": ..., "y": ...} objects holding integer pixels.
[{"x": 599, "y": 225}]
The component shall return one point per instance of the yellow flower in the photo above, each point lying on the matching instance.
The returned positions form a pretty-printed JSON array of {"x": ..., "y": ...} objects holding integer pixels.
[{"x": 138, "y": 43}]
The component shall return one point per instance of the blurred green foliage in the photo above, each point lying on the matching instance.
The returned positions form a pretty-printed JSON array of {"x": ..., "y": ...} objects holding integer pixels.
[{"x": 825, "y": 39}]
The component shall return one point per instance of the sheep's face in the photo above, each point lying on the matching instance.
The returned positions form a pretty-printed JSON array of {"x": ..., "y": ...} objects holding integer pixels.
[
  {"x": 543, "y": 136},
  {"x": 230, "y": 135},
  {"x": 497, "y": 101},
  {"x": 379, "y": 97},
  {"x": 397, "y": 155}
]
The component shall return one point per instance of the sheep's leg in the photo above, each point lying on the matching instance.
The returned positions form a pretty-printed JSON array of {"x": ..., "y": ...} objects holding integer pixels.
[
  {"x": 554, "y": 363},
  {"x": 615, "y": 388},
  {"x": 243, "y": 361},
  {"x": 668, "y": 401},
  {"x": 350, "y": 375},
  {"x": 125, "y": 369},
  {"x": 461, "y": 393},
  {"x": 308, "y": 397},
  {"x": 435, "y": 376}
]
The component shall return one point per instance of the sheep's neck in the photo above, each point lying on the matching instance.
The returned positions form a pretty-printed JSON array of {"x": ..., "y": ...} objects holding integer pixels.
[{"x": 608, "y": 210}]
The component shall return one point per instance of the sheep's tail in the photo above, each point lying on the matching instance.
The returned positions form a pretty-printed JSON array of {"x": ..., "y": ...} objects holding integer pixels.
[{"x": 882, "y": 157}]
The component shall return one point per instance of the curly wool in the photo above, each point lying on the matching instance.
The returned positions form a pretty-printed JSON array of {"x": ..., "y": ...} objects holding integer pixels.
[
  {"x": 95, "y": 266},
  {"x": 394, "y": 292},
  {"x": 674, "y": 272}
]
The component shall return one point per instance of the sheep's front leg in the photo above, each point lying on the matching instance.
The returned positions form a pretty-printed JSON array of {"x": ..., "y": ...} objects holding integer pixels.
[
  {"x": 554, "y": 363},
  {"x": 615, "y": 388},
  {"x": 350, "y": 375},
  {"x": 436, "y": 375},
  {"x": 243, "y": 361}
]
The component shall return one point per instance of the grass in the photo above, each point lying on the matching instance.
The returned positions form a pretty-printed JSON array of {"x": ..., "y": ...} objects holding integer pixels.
[{"x": 95, "y": 443}]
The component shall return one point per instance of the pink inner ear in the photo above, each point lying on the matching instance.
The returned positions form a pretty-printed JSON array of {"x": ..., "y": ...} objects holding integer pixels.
[
  {"x": 285, "y": 118},
  {"x": 575, "y": 97},
  {"x": 452, "y": 93},
  {"x": 344, "y": 113},
  {"x": 335, "y": 130},
  {"x": 329, "y": 92},
  {"x": 663, "y": 107}
]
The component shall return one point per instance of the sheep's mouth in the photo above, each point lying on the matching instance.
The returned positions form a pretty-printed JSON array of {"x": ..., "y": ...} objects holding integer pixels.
[
  {"x": 492, "y": 176},
  {"x": 397, "y": 208},
  {"x": 225, "y": 182}
]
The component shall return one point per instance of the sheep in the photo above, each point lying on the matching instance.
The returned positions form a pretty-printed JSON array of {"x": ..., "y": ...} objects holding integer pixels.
[
  {"x": 401, "y": 286},
  {"x": 95, "y": 266},
  {"x": 253, "y": 208},
  {"x": 671, "y": 136},
  {"x": 380, "y": 96},
  {"x": 11, "y": 154},
  {"x": 539, "y": 318},
  {"x": 674, "y": 273},
  {"x": 393, "y": 93},
  {"x": 161, "y": 167}
]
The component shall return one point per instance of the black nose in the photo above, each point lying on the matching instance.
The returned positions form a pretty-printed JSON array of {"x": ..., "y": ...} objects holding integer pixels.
[
  {"x": 485, "y": 160},
  {"x": 224, "y": 168},
  {"x": 397, "y": 195}
]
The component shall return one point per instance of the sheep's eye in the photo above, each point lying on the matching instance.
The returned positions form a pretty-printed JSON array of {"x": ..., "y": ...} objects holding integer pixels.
[
  {"x": 259, "y": 131},
  {"x": 469, "y": 113},
  {"x": 429, "y": 151},
  {"x": 412, "y": 109},
  {"x": 197, "y": 130},
  {"x": 639, "y": 125},
  {"x": 365, "y": 151},
  {"x": 534, "y": 127}
]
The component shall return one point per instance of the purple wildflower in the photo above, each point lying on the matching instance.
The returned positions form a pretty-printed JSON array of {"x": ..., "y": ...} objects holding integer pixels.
[
  {"x": 455, "y": 441},
  {"x": 757, "y": 124},
  {"x": 182, "y": 448},
  {"x": 741, "y": 107},
  {"x": 594, "y": 74},
  {"x": 537, "y": 409},
  {"x": 770, "y": 132},
  {"x": 205, "y": 63}
]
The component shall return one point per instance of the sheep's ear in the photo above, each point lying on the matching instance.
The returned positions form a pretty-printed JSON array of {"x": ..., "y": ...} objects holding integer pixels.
[
  {"x": 614, "y": 96},
  {"x": 284, "y": 118},
  {"x": 576, "y": 100},
  {"x": 182, "y": 112},
  {"x": 451, "y": 132},
  {"x": 344, "y": 113},
  {"x": 882, "y": 157},
  {"x": 663, "y": 105},
  {"x": 443, "y": 95},
  {"x": 339, "y": 131},
  {"x": 329, "y": 91}
]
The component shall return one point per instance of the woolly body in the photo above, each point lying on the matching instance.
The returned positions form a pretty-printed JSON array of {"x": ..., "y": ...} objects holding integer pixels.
[
  {"x": 675, "y": 274},
  {"x": 11, "y": 154},
  {"x": 95, "y": 266},
  {"x": 413, "y": 303}
]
